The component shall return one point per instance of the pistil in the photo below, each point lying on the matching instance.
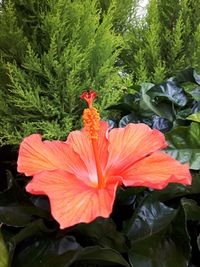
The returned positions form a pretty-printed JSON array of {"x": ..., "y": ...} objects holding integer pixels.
[
  {"x": 91, "y": 120},
  {"x": 101, "y": 180}
]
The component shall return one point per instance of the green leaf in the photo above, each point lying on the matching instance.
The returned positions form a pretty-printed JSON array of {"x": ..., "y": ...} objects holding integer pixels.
[
  {"x": 19, "y": 215},
  {"x": 194, "y": 93},
  {"x": 191, "y": 208},
  {"x": 188, "y": 75},
  {"x": 153, "y": 121},
  {"x": 101, "y": 232},
  {"x": 146, "y": 104},
  {"x": 3, "y": 252},
  {"x": 183, "y": 114},
  {"x": 178, "y": 190},
  {"x": 122, "y": 107},
  {"x": 131, "y": 118},
  {"x": 194, "y": 117},
  {"x": 156, "y": 233},
  {"x": 184, "y": 145},
  {"x": 198, "y": 241},
  {"x": 170, "y": 91},
  {"x": 157, "y": 251},
  {"x": 34, "y": 229},
  {"x": 128, "y": 196},
  {"x": 15, "y": 206},
  {"x": 150, "y": 218},
  {"x": 48, "y": 252},
  {"x": 102, "y": 257},
  {"x": 161, "y": 124},
  {"x": 196, "y": 107}
]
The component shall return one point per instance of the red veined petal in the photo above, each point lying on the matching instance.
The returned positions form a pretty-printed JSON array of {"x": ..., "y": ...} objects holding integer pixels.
[
  {"x": 71, "y": 200},
  {"x": 82, "y": 145},
  {"x": 130, "y": 144},
  {"x": 156, "y": 171},
  {"x": 36, "y": 156}
]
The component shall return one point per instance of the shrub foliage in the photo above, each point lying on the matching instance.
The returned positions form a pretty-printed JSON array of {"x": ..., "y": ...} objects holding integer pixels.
[{"x": 49, "y": 54}]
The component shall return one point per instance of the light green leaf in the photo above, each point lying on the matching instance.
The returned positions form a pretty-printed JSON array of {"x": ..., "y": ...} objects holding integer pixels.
[
  {"x": 194, "y": 117},
  {"x": 3, "y": 253}
]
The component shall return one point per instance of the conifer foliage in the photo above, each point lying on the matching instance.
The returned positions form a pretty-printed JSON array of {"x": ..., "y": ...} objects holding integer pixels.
[
  {"x": 49, "y": 52},
  {"x": 163, "y": 42}
]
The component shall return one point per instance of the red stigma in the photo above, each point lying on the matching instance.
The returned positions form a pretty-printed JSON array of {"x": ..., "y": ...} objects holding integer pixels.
[{"x": 89, "y": 97}]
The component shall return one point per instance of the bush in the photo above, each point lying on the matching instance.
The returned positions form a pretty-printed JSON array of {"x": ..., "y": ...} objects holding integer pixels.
[
  {"x": 49, "y": 54},
  {"x": 164, "y": 42}
]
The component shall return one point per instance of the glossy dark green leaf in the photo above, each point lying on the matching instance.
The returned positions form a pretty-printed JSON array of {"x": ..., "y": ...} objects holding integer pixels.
[
  {"x": 155, "y": 232},
  {"x": 101, "y": 232},
  {"x": 194, "y": 93},
  {"x": 101, "y": 256},
  {"x": 43, "y": 253},
  {"x": 47, "y": 252},
  {"x": 31, "y": 231},
  {"x": 112, "y": 124},
  {"x": 122, "y": 107},
  {"x": 150, "y": 218},
  {"x": 131, "y": 118},
  {"x": 15, "y": 206},
  {"x": 178, "y": 190},
  {"x": 19, "y": 215},
  {"x": 191, "y": 208},
  {"x": 153, "y": 121},
  {"x": 183, "y": 114},
  {"x": 12, "y": 192},
  {"x": 127, "y": 104},
  {"x": 184, "y": 145},
  {"x": 157, "y": 251},
  {"x": 161, "y": 124},
  {"x": 145, "y": 101},
  {"x": 198, "y": 241},
  {"x": 196, "y": 107},
  {"x": 3, "y": 252},
  {"x": 188, "y": 75},
  {"x": 147, "y": 105},
  {"x": 128, "y": 195},
  {"x": 170, "y": 91},
  {"x": 179, "y": 233},
  {"x": 64, "y": 260}
]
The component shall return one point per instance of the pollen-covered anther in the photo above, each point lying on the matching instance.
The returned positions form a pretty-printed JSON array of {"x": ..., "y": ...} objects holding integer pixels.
[{"x": 91, "y": 121}]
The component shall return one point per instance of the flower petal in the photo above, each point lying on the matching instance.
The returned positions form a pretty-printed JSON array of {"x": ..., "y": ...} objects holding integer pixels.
[
  {"x": 82, "y": 145},
  {"x": 130, "y": 144},
  {"x": 156, "y": 171},
  {"x": 36, "y": 156},
  {"x": 71, "y": 200}
]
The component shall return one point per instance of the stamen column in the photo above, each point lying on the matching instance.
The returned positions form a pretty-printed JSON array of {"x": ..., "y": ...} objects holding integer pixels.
[{"x": 91, "y": 120}]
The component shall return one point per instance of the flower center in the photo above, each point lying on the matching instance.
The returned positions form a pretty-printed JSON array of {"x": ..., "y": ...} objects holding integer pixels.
[{"x": 91, "y": 121}]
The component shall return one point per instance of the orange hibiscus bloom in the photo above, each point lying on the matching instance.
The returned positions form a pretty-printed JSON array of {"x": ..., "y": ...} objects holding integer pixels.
[{"x": 81, "y": 176}]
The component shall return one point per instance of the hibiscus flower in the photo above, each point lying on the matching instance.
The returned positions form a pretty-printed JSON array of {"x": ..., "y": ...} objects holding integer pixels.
[{"x": 81, "y": 176}]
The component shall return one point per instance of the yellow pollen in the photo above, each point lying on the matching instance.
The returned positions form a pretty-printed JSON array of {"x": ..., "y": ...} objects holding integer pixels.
[{"x": 91, "y": 121}]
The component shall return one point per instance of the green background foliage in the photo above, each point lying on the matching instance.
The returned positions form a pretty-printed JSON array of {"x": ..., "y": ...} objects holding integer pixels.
[
  {"x": 163, "y": 42},
  {"x": 50, "y": 52}
]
